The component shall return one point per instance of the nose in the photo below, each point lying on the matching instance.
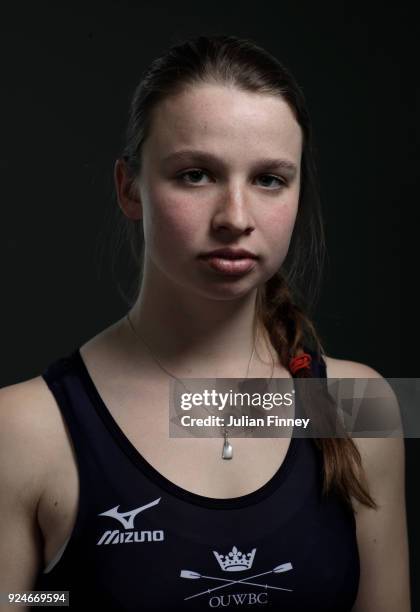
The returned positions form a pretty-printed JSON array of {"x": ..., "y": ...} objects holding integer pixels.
[{"x": 233, "y": 212}]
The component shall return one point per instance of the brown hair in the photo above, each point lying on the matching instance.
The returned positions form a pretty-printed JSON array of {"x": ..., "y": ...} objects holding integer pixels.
[{"x": 285, "y": 301}]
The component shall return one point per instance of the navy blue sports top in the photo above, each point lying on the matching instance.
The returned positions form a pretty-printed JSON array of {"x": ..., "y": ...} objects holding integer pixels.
[{"x": 141, "y": 542}]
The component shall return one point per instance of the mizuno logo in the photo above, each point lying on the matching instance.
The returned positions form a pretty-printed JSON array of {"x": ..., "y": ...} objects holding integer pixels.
[
  {"x": 127, "y": 521},
  {"x": 127, "y": 518},
  {"x": 125, "y": 537}
]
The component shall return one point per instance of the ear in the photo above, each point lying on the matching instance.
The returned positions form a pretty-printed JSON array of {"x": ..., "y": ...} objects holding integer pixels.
[{"x": 127, "y": 195}]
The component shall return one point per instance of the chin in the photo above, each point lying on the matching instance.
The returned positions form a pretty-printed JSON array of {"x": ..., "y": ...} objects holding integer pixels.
[{"x": 226, "y": 290}]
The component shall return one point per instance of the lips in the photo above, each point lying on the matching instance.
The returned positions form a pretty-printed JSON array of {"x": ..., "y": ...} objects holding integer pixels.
[
  {"x": 230, "y": 262},
  {"x": 230, "y": 267},
  {"x": 228, "y": 253}
]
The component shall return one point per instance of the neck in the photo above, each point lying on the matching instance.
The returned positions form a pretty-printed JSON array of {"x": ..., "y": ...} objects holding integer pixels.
[{"x": 194, "y": 335}]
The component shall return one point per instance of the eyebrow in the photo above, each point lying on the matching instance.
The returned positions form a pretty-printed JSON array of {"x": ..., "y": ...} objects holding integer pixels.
[{"x": 268, "y": 163}]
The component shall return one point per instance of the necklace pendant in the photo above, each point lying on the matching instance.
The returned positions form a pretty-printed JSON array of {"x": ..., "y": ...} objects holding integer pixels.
[{"x": 227, "y": 452}]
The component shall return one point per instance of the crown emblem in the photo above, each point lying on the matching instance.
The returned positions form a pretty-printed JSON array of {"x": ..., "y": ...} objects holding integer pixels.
[{"x": 235, "y": 561}]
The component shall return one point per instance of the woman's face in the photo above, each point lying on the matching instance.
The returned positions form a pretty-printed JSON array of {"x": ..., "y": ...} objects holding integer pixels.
[{"x": 220, "y": 169}]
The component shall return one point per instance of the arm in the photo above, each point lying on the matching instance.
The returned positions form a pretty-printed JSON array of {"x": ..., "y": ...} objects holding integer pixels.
[
  {"x": 20, "y": 488},
  {"x": 382, "y": 533}
]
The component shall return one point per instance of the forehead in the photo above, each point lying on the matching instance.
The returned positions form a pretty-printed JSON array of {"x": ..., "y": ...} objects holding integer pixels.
[{"x": 225, "y": 120}]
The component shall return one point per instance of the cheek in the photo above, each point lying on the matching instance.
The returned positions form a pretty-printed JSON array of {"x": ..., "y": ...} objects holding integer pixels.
[
  {"x": 280, "y": 220},
  {"x": 278, "y": 229},
  {"x": 170, "y": 221}
]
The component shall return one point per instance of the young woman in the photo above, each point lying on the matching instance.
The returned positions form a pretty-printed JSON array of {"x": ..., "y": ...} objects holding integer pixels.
[{"x": 217, "y": 185}]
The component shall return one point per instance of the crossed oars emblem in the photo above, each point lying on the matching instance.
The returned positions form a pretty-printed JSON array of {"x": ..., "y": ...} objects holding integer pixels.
[{"x": 284, "y": 567}]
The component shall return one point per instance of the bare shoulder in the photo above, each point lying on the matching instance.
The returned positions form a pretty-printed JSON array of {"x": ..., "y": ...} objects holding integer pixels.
[
  {"x": 28, "y": 422},
  {"x": 377, "y": 386},
  {"x": 342, "y": 368},
  {"x": 377, "y": 453},
  {"x": 28, "y": 405}
]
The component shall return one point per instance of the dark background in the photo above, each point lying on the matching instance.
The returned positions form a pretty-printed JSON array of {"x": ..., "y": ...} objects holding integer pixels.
[{"x": 68, "y": 73}]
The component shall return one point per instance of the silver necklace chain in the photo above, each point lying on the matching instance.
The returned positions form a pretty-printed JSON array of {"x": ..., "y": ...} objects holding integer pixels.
[{"x": 227, "y": 451}]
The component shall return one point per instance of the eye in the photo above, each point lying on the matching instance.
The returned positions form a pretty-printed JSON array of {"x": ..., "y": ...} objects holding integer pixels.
[
  {"x": 194, "y": 173},
  {"x": 270, "y": 177}
]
